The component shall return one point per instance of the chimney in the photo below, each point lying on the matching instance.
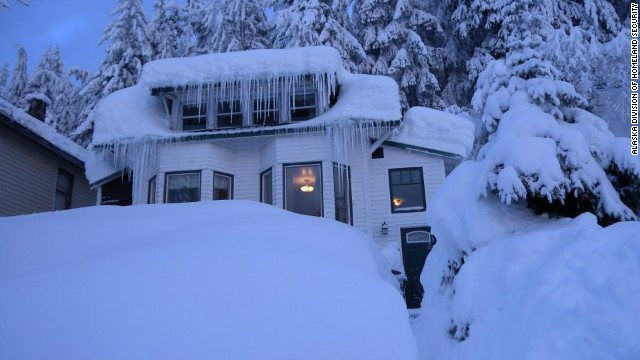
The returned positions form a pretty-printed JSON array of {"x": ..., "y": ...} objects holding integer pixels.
[{"x": 37, "y": 106}]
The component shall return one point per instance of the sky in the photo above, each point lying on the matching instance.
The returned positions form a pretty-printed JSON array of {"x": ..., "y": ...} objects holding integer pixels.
[{"x": 75, "y": 25}]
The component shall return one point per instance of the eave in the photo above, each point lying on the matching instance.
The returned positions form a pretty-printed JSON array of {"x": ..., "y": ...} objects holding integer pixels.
[
  {"x": 242, "y": 133},
  {"x": 421, "y": 149}
]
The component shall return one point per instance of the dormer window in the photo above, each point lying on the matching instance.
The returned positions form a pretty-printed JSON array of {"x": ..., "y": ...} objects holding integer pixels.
[
  {"x": 266, "y": 112},
  {"x": 303, "y": 106},
  {"x": 194, "y": 117},
  {"x": 229, "y": 114}
]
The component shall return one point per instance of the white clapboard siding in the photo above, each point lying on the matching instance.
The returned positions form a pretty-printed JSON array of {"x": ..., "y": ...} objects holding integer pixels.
[
  {"x": 246, "y": 159},
  {"x": 380, "y": 211}
]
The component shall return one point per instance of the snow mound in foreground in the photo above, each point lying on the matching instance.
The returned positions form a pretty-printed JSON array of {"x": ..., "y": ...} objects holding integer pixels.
[
  {"x": 215, "y": 280},
  {"x": 530, "y": 287}
]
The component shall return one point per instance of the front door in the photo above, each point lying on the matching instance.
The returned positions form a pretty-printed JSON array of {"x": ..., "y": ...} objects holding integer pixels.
[{"x": 416, "y": 244}]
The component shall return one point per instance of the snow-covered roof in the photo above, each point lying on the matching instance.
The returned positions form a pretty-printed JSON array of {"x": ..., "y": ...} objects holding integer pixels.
[
  {"x": 430, "y": 129},
  {"x": 43, "y": 131},
  {"x": 132, "y": 114},
  {"x": 242, "y": 65}
]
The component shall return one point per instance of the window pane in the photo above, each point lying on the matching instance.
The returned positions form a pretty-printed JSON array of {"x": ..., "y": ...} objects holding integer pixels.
[
  {"x": 230, "y": 120},
  {"x": 303, "y": 189},
  {"x": 395, "y": 177},
  {"x": 416, "y": 177},
  {"x": 266, "y": 112},
  {"x": 342, "y": 193},
  {"x": 194, "y": 110},
  {"x": 194, "y": 123},
  {"x": 303, "y": 114},
  {"x": 303, "y": 106},
  {"x": 406, "y": 177},
  {"x": 302, "y": 100},
  {"x": 407, "y": 190},
  {"x": 183, "y": 187},
  {"x": 225, "y": 107},
  {"x": 222, "y": 187},
  {"x": 152, "y": 191},
  {"x": 267, "y": 188}
]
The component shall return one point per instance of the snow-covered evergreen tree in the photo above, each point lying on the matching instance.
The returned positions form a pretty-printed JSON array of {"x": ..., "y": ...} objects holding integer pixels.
[
  {"x": 526, "y": 105},
  {"x": 49, "y": 82},
  {"x": 18, "y": 82},
  {"x": 128, "y": 49},
  {"x": 4, "y": 76},
  {"x": 170, "y": 30},
  {"x": 317, "y": 22},
  {"x": 231, "y": 25},
  {"x": 400, "y": 38}
]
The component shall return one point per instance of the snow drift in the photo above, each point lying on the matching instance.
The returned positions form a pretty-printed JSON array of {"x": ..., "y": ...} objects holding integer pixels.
[
  {"x": 502, "y": 283},
  {"x": 214, "y": 280}
]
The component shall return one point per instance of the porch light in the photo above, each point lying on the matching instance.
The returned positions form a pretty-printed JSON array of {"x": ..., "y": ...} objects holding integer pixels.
[
  {"x": 385, "y": 228},
  {"x": 397, "y": 201},
  {"x": 306, "y": 188}
]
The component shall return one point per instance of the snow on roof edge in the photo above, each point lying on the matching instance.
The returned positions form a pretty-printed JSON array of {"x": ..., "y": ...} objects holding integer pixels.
[
  {"x": 241, "y": 65},
  {"x": 44, "y": 131}
]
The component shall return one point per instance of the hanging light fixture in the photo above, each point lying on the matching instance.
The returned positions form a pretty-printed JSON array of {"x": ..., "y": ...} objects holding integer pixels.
[
  {"x": 384, "y": 229},
  {"x": 306, "y": 187}
]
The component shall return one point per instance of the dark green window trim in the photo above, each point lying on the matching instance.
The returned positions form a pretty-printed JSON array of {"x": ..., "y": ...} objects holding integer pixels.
[{"x": 424, "y": 200}]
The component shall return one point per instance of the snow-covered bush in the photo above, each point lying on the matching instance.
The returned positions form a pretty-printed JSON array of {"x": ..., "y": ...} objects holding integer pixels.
[
  {"x": 543, "y": 148},
  {"x": 503, "y": 283}
]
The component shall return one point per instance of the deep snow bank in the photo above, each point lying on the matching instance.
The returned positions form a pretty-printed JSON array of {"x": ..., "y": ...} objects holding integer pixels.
[
  {"x": 214, "y": 280},
  {"x": 530, "y": 287}
]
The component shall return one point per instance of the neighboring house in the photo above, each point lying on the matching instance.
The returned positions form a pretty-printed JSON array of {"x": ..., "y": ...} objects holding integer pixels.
[
  {"x": 290, "y": 128},
  {"x": 40, "y": 170}
]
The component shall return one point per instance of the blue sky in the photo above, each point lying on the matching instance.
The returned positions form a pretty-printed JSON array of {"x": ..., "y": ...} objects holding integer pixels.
[{"x": 76, "y": 25}]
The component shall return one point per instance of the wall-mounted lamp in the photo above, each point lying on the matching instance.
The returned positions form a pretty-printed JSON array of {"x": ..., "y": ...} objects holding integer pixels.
[{"x": 384, "y": 229}]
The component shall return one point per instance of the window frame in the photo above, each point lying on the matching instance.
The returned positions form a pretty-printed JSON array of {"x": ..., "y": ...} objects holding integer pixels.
[
  {"x": 58, "y": 189},
  {"x": 262, "y": 174},
  {"x": 341, "y": 167},
  {"x": 307, "y": 90},
  {"x": 154, "y": 180},
  {"x": 204, "y": 104},
  {"x": 284, "y": 183},
  {"x": 231, "y": 183},
  {"x": 424, "y": 199},
  {"x": 217, "y": 114},
  {"x": 278, "y": 110},
  {"x": 166, "y": 183}
]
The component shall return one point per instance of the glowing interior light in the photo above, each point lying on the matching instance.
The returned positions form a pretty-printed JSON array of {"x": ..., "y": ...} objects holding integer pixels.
[
  {"x": 306, "y": 187},
  {"x": 397, "y": 201}
]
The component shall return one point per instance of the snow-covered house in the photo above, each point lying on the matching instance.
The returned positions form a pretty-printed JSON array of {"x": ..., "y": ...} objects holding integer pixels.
[
  {"x": 40, "y": 169},
  {"x": 291, "y": 128}
]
